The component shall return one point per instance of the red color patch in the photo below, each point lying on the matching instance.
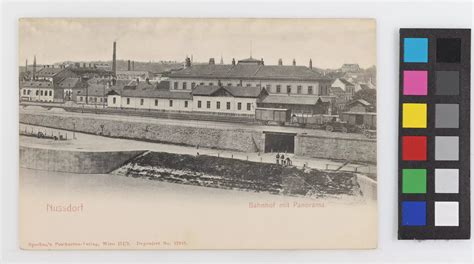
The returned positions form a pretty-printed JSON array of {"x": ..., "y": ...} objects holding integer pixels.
[{"x": 414, "y": 148}]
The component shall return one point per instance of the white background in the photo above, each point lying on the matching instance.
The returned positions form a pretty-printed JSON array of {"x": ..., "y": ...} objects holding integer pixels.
[{"x": 390, "y": 17}]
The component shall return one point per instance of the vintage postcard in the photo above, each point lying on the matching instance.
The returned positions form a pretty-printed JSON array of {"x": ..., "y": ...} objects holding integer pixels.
[{"x": 182, "y": 133}]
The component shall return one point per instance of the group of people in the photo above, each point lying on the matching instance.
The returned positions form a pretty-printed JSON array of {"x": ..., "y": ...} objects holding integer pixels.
[{"x": 281, "y": 160}]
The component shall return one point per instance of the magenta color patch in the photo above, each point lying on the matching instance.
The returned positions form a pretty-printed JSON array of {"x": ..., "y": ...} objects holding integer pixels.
[{"x": 415, "y": 82}]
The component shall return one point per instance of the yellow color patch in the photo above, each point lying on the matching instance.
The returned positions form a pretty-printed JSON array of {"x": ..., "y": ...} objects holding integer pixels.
[{"x": 414, "y": 116}]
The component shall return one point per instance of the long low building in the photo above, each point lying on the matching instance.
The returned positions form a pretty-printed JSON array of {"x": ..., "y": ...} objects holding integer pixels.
[
  {"x": 39, "y": 91},
  {"x": 210, "y": 99}
]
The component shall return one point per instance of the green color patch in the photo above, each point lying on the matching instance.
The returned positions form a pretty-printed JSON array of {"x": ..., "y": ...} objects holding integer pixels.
[{"x": 414, "y": 181}]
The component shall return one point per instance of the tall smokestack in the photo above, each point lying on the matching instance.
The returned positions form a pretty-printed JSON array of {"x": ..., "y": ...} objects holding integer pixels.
[
  {"x": 26, "y": 66},
  {"x": 294, "y": 62},
  {"x": 34, "y": 68},
  {"x": 114, "y": 59},
  {"x": 133, "y": 65},
  {"x": 310, "y": 63},
  {"x": 128, "y": 68}
]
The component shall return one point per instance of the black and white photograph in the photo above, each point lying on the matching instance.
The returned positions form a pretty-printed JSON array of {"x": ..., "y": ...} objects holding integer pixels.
[{"x": 197, "y": 133}]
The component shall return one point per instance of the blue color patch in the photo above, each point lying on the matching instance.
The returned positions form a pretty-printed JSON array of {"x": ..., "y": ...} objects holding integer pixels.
[
  {"x": 413, "y": 213},
  {"x": 415, "y": 50}
]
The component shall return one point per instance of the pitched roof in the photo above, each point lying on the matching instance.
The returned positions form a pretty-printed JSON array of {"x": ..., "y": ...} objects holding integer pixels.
[
  {"x": 49, "y": 72},
  {"x": 69, "y": 82},
  {"x": 236, "y": 91},
  {"x": 295, "y": 99},
  {"x": 361, "y": 101},
  {"x": 345, "y": 82},
  {"x": 150, "y": 91},
  {"x": 36, "y": 84},
  {"x": 205, "y": 90},
  {"x": 97, "y": 89},
  {"x": 248, "y": 71},
  {"x": 336, "y": 90},
  {"x": 364, "y": 86}
]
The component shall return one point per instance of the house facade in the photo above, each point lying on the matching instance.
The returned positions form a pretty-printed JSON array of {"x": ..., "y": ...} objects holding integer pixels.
[
  {"x": 276, "y": 79},
  {"x": 37, "y": 91}
]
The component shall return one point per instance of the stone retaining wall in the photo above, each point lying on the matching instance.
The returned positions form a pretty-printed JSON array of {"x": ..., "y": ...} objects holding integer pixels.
[
  {"x": 74, "y": 161},
  {"x": 237, "y": 139}
]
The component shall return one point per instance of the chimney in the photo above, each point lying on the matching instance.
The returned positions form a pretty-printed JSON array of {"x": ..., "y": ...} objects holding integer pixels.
[
  {"x": 34, "y": 68},
  {"x": 294, "y": 62},
  {"x": 187, "y": 62},
  {"x": 114, "y": 59},
  {"x": 128, "y": 67},
  {"x": 310, "y": 63},
  {"x": 212, "y": 61},
  {"x": 280, "y": 62},
  {"x": 233, "y": 61},
  {"x": 133, "y": 65}
]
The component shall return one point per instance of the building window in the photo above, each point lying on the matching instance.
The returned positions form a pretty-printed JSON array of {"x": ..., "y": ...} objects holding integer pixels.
[
  {"x": 24, "y": 92},
  {"x": 310, "y": 89},
  {"x": 184, "y": 85},
  {"x": 288, "y": 89},
  {"x": 50, "y": 93},
  {"x": 218, "y": 105},
  {"x": 278, "y": 89},
  {"x": 175, "y": 85},
  {"x": 208, "y": 104},
  {"x": 199, "y": 104},
  {"x": 211, "y": 84},
  {"x": 156, "y": 102},
  {"x": 105, "y": 100},
  {"x": 248, "y": 85},
  {"x": 229, "y": 84},
  {"x": 239, "y": 106},
  {"x": 141, "y": 101},
  {"x": 269, "y": 87},
  {"x": 171, "y": 103},
  {"x": 249, "y": 106},
  {"x": 29, "y": 91},
  {"x": 80, "y": 98},
  {"x": 186, "y": 104},
  {"x": 228, "y": 105},
  {"x": 114, "y": 100},
  {"x": 201, "y": 83},
  {"x": 298, "y": 89},
  {"x": 95, "y": 99},
  {"x": 128, "y": 101},
  {"x": 193, "y": 85},
  {"x": 101, "y": 99},
  {"x": 41, "y": 92}
]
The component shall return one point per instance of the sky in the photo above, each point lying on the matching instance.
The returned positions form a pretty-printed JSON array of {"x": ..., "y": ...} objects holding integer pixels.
[{"x": 328, "y": 42}]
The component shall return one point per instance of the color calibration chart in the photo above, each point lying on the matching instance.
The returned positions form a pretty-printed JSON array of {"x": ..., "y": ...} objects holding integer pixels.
[{"x": 434, "y": 170}]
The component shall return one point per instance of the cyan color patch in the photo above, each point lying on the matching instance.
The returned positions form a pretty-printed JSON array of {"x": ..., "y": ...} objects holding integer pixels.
[
  {"x": 413, "y": 213},
  {"x": 415, "y": 50}
]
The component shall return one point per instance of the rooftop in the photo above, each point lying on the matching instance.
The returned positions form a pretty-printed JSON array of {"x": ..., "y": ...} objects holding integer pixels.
[
  {"x": 36, "y": 84},
  {"x": 295, "y": 99},
  {"x": 248, "y": 71},
  {"x": 49, "y": 72},
  {"x": 235, "y": 91}
]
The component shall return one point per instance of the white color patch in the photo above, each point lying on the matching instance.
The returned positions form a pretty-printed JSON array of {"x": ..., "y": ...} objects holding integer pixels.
[
  {"x": 446, "y": 213},
  {"x": 446, "y": 180}
]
